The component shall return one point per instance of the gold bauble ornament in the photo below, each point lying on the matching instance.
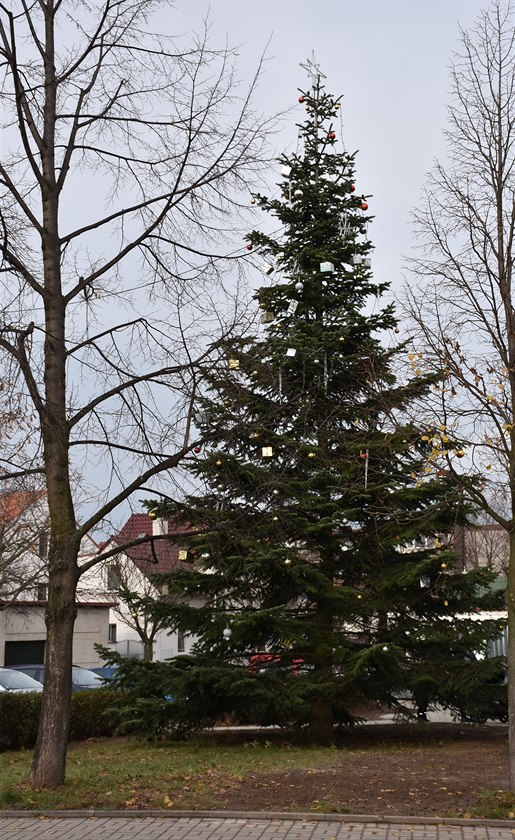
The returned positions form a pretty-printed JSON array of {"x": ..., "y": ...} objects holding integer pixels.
[{"x": 312, "y": 454}]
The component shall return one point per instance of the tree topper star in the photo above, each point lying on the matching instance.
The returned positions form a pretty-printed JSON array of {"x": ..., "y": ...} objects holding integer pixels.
[{"x": 313, "y": 69}]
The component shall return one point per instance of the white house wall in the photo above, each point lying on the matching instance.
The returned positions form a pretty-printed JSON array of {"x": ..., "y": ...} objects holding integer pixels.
[{"x": 22, "y": 623}]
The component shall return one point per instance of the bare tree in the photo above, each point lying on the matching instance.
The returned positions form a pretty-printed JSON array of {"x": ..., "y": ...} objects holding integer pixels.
[
  {"x": 23, "y": 544},
  {"x": 130, "y": 579},
  {"x": 460, "y": 293},
  {"x": 125, "y": 155}
]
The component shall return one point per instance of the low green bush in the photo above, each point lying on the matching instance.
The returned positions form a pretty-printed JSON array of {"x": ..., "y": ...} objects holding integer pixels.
[
  {"x": 19, "y": 716},
  {"x": 90, "y": 717}
]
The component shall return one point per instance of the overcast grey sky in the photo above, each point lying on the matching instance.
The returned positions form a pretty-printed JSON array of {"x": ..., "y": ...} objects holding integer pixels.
[{"x": 389, "y": 58}]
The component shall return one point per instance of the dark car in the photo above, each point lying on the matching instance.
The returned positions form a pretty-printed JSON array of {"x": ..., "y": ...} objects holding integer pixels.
[
  {"x": 13, "y": 680},
  {"x": 82, "y": 678}
]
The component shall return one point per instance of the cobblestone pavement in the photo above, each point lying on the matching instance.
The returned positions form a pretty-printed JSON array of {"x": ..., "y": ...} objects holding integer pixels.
[{"x": 276, "y": 827}]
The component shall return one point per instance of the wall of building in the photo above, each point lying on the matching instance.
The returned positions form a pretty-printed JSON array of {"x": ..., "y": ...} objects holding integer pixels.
[{"x": 27, "y": 623}]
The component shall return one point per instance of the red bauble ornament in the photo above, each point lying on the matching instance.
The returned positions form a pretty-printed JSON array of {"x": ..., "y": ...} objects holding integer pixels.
[
  {"x": 332, "y": 135},
  {"x": 249, "y": 247},
  {"x": 364, "y": 205},
  {"x": 352, "y": 188},
  {"x": 302, "y": 99},
  {"x": 363, "y": 456},
  {"x": 196, "y": 449}
]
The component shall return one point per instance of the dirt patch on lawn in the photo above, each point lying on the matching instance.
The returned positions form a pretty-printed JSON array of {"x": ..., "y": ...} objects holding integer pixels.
[{"x": 437, "y": 770}]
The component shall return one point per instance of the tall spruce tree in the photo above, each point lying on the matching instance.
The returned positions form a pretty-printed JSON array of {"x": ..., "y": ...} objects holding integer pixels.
[{"x": 316, "y": 529}]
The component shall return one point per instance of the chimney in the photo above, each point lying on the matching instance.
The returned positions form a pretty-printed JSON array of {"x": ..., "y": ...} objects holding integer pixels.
[{"x": 159, "y": 527}]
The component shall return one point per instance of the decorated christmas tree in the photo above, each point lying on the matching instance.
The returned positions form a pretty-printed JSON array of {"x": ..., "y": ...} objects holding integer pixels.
[{"x": 316, "y": 535}]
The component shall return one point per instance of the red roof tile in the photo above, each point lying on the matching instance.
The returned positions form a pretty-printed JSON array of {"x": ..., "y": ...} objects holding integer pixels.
[
  {"x": 15, "y": 502},
  {"x": 156, "y": 557}
]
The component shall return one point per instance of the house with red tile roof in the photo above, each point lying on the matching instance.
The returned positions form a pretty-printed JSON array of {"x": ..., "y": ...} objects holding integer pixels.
[
  {"x": 24, "y": 529},
  {"x": 147, "y": 547}
]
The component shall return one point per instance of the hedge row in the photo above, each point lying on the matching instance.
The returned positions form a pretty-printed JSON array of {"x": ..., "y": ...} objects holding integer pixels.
[{"x": 90, "y": 718}]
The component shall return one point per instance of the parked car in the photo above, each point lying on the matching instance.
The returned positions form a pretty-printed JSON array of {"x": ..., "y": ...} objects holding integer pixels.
[
  {"x": 13, "y": 680},
  {"x": 82, "y": 678},
  {"x": 261, "y": 662},
  {"x": 107, "y": 672}
]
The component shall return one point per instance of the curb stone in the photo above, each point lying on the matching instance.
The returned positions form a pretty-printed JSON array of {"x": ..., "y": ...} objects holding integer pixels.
[{"x": 259, "y": 815}]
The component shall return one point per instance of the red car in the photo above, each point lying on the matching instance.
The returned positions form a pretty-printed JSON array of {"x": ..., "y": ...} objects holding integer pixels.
[{"x": 261, "y": 662}]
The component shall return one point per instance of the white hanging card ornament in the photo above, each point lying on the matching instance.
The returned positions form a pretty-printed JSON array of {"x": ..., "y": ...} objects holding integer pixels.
[
  {"x": 267, "y": 268},
  {"x": 367, "y": 262},
  {"x": 326, "y": 267},
  {"x": 357, "y": 259},
  {"x": 267, "y": 451},
  {"x": 292, "y": 308},
  {"x": 286, "y": 171},
  {"x": 234, "y": 364},
  {"x": 291, "y": 352}
]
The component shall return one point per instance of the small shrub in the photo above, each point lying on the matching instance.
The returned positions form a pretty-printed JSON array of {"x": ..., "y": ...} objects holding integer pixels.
[
  {"x": 19, "y": 717},
  {"x": 90, "y": 718}
]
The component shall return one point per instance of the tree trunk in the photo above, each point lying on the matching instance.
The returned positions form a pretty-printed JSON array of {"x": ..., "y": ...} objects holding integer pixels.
[
  {"x": 148, "y": 650},
  {"x": 49, "y": 761},
  {"x": 321, "y": 724},
  {"x": 510, "y": 605}
]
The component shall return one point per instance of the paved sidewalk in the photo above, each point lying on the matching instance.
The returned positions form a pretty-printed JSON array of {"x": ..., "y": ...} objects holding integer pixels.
[{"x": 219, "y": 827}]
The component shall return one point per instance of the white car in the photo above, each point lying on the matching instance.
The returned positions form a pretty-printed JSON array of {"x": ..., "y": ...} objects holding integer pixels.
[{"x": 17, "y": 681}]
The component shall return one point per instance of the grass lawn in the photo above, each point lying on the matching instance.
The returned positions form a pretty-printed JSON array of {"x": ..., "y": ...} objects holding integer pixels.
[
  {"x": 124, "y": 773},
  {"x": 447, "y": 770}
]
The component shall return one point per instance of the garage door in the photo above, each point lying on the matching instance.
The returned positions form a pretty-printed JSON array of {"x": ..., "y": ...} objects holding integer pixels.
[{"x": 24, "y": 653}]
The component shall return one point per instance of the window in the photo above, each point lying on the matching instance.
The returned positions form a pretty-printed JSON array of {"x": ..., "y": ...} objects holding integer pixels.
[
  {"x": 42, "y": 592},
  {"x": 43, "y": 545},
  {"x": 111, "y": 635},
  {"x": 180, "y": 642},
  {"x": 113, "y": 578}
]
